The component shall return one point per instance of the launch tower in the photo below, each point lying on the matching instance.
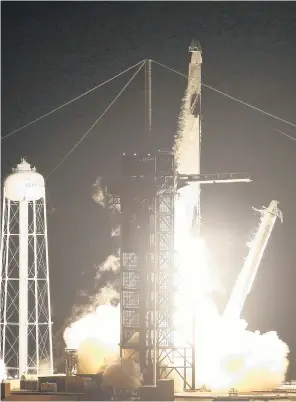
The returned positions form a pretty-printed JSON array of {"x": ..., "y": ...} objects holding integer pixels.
[
  {"x": 147, "y": 258},
  {"x": 146, "y": 198},
  {"x": 25, "y": 311}
]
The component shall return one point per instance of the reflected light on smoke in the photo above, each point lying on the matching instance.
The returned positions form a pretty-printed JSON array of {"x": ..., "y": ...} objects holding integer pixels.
[
  {"x": 123, "y": 374},
  {"x": 96, "y": 337},
  {"x": 227, "y": 354}
]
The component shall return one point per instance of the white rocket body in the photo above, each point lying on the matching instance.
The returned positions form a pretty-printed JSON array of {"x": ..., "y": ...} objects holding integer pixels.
[{"x": 187, "y": 151}]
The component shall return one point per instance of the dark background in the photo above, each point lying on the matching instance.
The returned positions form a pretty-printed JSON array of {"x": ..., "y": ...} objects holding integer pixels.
[{"x": 52, "y": 52}]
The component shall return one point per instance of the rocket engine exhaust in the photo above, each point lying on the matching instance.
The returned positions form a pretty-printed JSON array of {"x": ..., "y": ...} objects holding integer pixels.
[{"x": 227, "y": 354}]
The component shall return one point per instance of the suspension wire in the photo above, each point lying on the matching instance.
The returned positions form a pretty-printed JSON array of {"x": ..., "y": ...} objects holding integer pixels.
[
  {"x": 281, "y": 132},
  {"x": 95, "y": 123},
  {"x": 232, "y": 97},
  {"x": 145, "y": 95},
  {"x": 72, "y": 100}
]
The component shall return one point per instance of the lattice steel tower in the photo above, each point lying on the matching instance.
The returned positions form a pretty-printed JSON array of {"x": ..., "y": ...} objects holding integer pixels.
[
  {"x": 25, "y": 313},
  {"x": 146, "y": 200}
]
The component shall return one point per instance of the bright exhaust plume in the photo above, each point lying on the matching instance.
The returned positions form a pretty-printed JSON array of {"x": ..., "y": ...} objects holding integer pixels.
[{"x": 227, "y": 354}]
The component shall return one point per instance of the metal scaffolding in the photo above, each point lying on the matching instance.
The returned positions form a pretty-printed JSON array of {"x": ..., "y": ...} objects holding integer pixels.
[{"x": 146, "y": 201}]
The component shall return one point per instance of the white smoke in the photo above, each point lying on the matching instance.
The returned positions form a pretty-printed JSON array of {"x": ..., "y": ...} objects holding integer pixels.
[
  {"x": 227, "y": 354},
  {"x": 123, "y": 374},
  {"x": 112, "y": 263},
  {"x": 116, "y": 231},
  {"x": 99, "y": 192},
  {"x": 96, "y": 336}
]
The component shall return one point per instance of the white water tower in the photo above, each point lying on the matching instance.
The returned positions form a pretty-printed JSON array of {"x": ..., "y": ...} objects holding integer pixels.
[{"x": 25, "y": 311}]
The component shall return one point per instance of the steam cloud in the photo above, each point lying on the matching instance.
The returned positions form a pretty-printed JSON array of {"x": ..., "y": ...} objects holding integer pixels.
[
  {"x": 123, "y": 374},
  {"x": 227, "y": 354},
  {"x": 99, "y": 192},
  {"x": 111, "y": 263},
  {"x": 96, "y": 336}
]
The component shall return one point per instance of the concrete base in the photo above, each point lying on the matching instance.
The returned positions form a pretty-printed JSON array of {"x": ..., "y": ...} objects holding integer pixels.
[
  {"x": 148, "y": 393},
  {"x": 165, "y": 390},
  {"x": 5, "y": 390}
]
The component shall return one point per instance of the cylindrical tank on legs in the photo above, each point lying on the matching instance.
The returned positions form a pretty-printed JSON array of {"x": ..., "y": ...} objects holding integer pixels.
[
  {"x": 26, "y": 333},
  {"x": 24, "y": 184}
]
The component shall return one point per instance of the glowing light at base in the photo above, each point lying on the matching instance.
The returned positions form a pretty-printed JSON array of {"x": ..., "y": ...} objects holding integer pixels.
[
  {"x": 227, "y": 354},
  {"x": 123, "y": 374},
  {"x": 96, "y": 337}
]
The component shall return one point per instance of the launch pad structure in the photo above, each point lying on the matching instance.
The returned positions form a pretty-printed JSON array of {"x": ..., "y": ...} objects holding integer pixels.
[{"x": 146, "y": 201}]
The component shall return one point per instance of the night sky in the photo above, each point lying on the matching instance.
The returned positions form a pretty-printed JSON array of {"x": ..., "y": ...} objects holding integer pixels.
[{"x": 52, "y": 52}]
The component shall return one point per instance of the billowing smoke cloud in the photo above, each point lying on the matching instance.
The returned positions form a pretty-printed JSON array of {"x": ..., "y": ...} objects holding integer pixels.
[
  {"x": 96, "y": 335},
  {"x": 94, "y": 355},
  {"x": 116, "y": 231},
  {"x": 99, "y": 192},
  {"x": 95, "y": 330},
  {"x": 123, "y": 374},
  {"x": 227, "y": 354},
  {"x": 111, "y": 263}
]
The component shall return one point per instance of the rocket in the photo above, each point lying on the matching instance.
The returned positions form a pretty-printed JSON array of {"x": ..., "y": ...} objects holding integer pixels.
[
  {"x": 190, "y": 137},
  {"x": 194, "y": 78}
]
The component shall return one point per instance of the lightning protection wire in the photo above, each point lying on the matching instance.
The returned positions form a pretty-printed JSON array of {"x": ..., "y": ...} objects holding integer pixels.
[
  {"x": 235, "y": 99},
  {"x": 95, "y": 123},
  {"x": 72, "y": 100}
]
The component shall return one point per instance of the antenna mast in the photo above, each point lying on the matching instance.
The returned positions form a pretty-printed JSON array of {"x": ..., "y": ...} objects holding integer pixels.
[{"x": 148, "y": 106}]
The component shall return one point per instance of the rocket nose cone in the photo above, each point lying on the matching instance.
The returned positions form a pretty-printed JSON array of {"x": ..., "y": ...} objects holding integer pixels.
[{"x": 195, "y": 46}]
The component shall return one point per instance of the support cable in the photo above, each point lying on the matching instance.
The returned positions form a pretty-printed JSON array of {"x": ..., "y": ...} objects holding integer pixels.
[
  {"x": 72, "y": 100},
  {"x": 95, "y": 123},
  {"x": 235, "y": 99},
  {"x": 282, "y": 132}
]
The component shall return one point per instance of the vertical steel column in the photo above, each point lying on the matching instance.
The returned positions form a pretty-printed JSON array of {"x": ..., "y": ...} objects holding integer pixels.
[
  {"x": 36, "y": 286},
  {"x": 4, "y": 312},
  {"x": 23, "y": 287},
  {"x": 149, "y": 103},
  {"x": 48, "y": 287}
]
